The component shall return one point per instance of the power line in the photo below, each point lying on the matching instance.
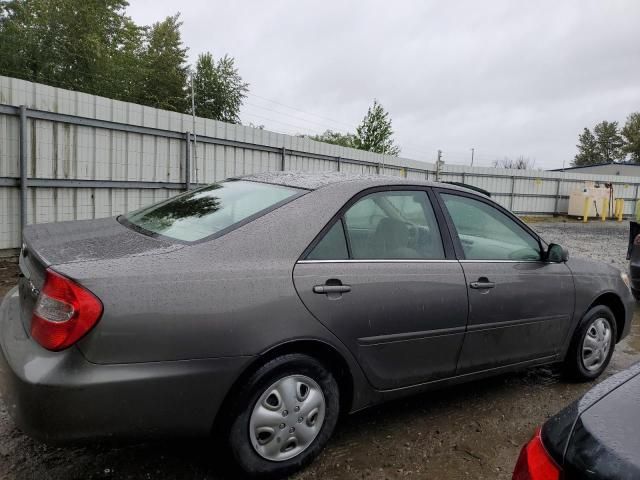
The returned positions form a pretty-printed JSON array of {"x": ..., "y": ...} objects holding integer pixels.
[
  {"x": 307, "y": 129},
  {"x": 409, "y": 148},
  {"x": 416, "y": 148},
  {"x": 323, "y": 125},
  {"x": 298, "y": 127},
  {"x": 299, "y": 110}
]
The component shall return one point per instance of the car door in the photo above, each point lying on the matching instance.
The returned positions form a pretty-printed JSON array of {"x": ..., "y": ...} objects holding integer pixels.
[
  {"x": 520, "y": 306},
  {"x": 380, "y": 277}
]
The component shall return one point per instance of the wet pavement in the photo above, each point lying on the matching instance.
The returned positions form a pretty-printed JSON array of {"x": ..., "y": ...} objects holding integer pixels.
[{"x": 472, "y": 431}]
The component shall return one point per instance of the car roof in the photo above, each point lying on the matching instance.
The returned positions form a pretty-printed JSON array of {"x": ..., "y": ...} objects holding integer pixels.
[
  {"x": 315, "y": 181},
  {"x": 604, "y": 388}
]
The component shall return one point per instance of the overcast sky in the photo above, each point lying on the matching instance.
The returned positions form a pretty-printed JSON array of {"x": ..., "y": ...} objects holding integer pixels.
[{"x": 507, "y": 78}]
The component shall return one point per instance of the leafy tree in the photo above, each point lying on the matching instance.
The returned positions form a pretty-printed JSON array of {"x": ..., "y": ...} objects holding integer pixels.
[
  {"x": 375, "y": 133},
  {"x": 604, "y": 145},
  {"x": 93, "y": 46},
  {"x": 609, "y": 142},
  {"x": 631, "y": 134},
  {"x": 125, "y": 71},
  {"x": 89, "y": 46},
  {"x": 164, "y": 63},
  {"x": 520, "y": 163},
  {"x": 588, "y": 153},
  {"x": 219, "y": 89},
  {"x": 336, "y": 138}
]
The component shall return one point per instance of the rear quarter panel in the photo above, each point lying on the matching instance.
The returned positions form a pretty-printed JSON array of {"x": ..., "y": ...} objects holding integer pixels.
[{"x": 231, "y": 296}]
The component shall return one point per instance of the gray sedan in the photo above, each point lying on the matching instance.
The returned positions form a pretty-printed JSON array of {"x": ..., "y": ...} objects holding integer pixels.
[{"x": 260, "y": 308}]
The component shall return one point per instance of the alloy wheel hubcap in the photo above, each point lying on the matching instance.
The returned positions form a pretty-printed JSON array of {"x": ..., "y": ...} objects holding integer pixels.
[
  {"x": 596, "y": 344},
  {"x": 287, "y": 418}
]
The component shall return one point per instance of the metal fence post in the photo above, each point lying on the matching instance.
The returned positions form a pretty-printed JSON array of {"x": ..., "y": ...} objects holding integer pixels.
[
  {"x": 513, "y": 189},
  {"x": 338, "y": 160},
  {"x": 187, "y": 161},
  {"x": 284, "y": 154},
  {"x": 555, "y": 207},
  {"x": 23, "y": 169}
]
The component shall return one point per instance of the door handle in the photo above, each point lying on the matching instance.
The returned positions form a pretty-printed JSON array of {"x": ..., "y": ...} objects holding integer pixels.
[
  {"x": 482, "y": 284},
  {"x": 331, "y": 289}
]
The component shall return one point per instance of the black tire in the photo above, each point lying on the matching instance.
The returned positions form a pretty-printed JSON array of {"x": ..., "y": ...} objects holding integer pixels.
[
  {"x": 245, "y": 455},
  {"x": 574, "y": 367}
]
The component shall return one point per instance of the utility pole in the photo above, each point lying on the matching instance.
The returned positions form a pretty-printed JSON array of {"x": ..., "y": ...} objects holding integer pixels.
[
  {"x": 438, "y": 162},
  {"x": 193, "y": 116},
  {"x": 472, "y": 151}
]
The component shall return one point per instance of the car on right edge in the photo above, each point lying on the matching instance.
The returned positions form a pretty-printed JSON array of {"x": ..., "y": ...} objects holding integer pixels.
[{"x": 596, "y": 437}]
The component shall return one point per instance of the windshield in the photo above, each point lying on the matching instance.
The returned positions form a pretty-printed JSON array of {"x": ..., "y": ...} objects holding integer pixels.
[{"x": 200, "y": 213}]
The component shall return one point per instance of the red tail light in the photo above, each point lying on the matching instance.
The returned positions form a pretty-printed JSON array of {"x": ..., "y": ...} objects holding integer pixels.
[
  {"x": 535, "y": 463},
  {"x": 64, "y": 312}
]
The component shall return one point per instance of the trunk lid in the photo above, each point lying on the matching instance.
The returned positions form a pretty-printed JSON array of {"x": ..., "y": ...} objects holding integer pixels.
[
  {"x": 51, "y": 244},
  {"x": 87, "y": 240}
]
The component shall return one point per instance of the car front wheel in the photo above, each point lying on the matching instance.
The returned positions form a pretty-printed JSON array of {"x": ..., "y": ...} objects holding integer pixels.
[
  {"x": 592, "y": 345},
  {"x": 287, "y": 411}
]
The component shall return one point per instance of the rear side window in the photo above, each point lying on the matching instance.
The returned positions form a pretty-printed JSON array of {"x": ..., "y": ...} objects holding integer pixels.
[
  {"x": 333, "y": 245},
  {"x": 200, "y": 213}
]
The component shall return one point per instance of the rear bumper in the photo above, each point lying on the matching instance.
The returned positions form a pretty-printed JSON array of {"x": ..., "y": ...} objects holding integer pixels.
[{"x": 61, "y": 396}]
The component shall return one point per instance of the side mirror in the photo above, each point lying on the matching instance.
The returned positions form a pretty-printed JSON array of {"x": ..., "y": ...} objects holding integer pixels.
[{"x": 557, "y": 253}]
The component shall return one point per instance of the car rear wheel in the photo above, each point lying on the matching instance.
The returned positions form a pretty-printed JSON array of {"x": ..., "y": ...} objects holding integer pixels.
[
  {"x": 287, "y": 411},
  {"x": 592, "y": 345}
]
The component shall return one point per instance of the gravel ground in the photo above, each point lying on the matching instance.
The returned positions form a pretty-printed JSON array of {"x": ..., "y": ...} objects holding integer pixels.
[{"x": 472, "y": 431}]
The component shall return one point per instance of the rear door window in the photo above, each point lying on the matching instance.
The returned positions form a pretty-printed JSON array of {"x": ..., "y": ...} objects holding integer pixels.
[
  {"x": 209, "y": 210},
  {"x": 389, "y": 225}
]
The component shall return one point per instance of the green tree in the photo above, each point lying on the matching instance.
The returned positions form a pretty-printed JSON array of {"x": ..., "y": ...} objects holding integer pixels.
[
  {"x": 588, "y": 153},
  {"x": 164, "y": 67},
  {"x": 219, "y": 88},
  {"x": 375, "y": 133},
  {"x": 94, "y": 47},
  {"x": 631, "y": 134},
  {"x": 88, "y": 46},
  {"x": 609, "y": 142},
  {"x": 336, "y": 138}
]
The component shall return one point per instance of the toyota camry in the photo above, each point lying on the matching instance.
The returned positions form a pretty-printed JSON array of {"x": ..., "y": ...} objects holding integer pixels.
[{"x": 261, "y": 308}]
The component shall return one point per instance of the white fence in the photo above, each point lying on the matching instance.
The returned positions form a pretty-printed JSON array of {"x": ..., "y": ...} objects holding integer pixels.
[{"x": 67, "y": 155}]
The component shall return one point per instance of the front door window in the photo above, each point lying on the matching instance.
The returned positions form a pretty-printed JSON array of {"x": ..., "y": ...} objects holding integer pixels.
[{"x": 488, "y": 234}]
